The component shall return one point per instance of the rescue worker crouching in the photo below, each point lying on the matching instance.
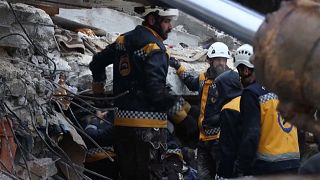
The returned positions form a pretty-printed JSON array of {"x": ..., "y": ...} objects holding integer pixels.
[
  {"x": 208, "y": 120},
  {"x": 269, "y": 144},
  {"x": 140, "y": 66},
  {"x": 101, "y": 132}
]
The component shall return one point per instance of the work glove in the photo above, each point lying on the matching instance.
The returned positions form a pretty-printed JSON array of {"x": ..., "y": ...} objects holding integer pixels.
[
  {"x": 186, "y": 125},
  {"x": 98, "y": 88},
  {"x": 174, "y": 63}
]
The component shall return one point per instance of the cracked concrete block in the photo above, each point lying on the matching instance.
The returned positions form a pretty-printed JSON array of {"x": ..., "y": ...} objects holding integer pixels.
[
  {"x": 36, "y": 22},
  {"x": 43, "y": 168},
  {"x": 82, "y": 82},
  {"x": 17, "y": 88},
  {"x": 31, "y": 92}
]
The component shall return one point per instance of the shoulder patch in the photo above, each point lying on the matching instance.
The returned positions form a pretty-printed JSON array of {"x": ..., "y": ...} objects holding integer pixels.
[{"x": 168, "y": 52}]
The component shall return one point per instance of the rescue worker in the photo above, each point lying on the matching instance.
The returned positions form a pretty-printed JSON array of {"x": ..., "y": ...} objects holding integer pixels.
[
  {"x": 140, "y": 66},
  {"x": 229, "y": 91},
  {"x": 101, "y": 132},
  {"x": 269, "y": 144},
  {"x": 208, "y": 121}
]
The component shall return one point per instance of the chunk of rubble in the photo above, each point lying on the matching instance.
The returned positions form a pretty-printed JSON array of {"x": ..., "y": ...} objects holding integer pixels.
[{"x": 36, "y": 22}]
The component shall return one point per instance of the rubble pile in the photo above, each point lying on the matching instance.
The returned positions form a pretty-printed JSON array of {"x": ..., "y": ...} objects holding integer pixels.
[
  {"x": 44, "y": 71},
  {"x": 38, "y": 139}
]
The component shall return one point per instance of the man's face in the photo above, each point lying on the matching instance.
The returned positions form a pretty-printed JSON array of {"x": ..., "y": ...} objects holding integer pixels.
[
  {"x": 245, "y": 74},
  {"x": 218, "y": 63},
  {"x": 166, "y": 26}
]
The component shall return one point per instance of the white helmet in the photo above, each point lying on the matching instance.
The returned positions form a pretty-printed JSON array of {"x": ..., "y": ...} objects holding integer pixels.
[
  {"x": 218, "y": 49},
  {"x": 242, "y": 56},
  {"x": 174, "y": 13}
]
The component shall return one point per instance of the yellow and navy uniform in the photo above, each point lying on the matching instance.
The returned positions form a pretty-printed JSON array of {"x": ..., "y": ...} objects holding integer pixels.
[
  {"x": 269, "y": 143},
  {"x": 229, "y": 137},
  {"x": 140, "y": 66},
  {"x": 207, "y": 92}
]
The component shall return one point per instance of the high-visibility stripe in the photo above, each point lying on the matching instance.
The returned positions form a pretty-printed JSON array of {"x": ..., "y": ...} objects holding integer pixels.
[
  {"x": 131, "y": 122},
  {"x": 278, "y": 157},
  {"x": 234, "y": 104},
  {"x": 181, "y": 70},
  {"x": 202, "y": 76},
  {"x": 120, "y": 40},
  {"x": 204, "y": 98},
  {"x": 150, "y": 47}
]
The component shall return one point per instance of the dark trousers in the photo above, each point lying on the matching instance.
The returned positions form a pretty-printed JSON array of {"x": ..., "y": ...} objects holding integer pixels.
[
  {"x": 207, "y": 159},
  {"x": 139, "y": 157}
]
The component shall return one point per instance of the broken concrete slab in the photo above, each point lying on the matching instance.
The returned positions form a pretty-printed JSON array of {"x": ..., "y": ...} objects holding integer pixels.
[
  {"x": 188, "y": 54},
  {"x": 36, "y": 22},
  {"x": 113, "y": 21}
]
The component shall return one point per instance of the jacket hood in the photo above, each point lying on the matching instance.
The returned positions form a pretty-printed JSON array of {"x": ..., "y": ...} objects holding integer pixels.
[{"x": 228, "y": 86}]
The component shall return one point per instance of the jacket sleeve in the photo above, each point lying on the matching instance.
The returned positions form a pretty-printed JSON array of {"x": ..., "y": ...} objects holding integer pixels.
[
  {"x": 103, "y": 134},
  {"x": 155, "y": 74},
  {"x": 228, "y": 141},
  {"x": 100, "y": 61},
  {"x": 250, "y": 119},
  {"x": 188, "y": 79}
]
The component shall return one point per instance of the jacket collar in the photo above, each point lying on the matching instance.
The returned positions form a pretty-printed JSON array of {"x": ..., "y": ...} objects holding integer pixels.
[{"x": 154, "y": 33}]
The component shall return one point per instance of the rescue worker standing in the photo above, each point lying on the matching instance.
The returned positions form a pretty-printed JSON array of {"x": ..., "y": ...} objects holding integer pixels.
[
  {"x": 140, "y": 66},
  {"x": 229, "y": 92},
  {"x": 269, "y": 144},
  {"x": 208, "y": 121}
]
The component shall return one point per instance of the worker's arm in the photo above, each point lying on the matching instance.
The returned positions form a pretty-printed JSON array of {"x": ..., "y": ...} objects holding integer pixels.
[
  {"x": 188, "y": 79},
  {"x": 100, "y": 61},
  {"x": 101, "y": 132},
  {"x": 250, "y": 119},
  {"x": 155, "y": 73}
]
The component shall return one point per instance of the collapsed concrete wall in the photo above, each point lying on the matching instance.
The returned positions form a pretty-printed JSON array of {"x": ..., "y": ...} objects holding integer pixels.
[
  {"x": 27, "y": 87},
  {"x": 116, "y": 22}
]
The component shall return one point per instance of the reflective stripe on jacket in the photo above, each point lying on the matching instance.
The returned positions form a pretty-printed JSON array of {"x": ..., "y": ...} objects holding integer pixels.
[
  {"x": 206, "y": 90},
  {"x": 140, "y": 66}
]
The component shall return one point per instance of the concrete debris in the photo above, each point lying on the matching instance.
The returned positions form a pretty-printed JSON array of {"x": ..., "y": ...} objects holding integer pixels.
[
  {"x": 180, "y": 28},
  {"x": 188, "y": 54},
  {"x": 69, "y": 41},
  {"x": 43, "y": 168},
  {"x": 108, "y": 20},
  {"x": 36, "y": 22}
]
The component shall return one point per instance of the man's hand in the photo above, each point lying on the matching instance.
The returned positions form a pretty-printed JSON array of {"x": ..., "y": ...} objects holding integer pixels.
[
  {"x": 101, "y": 115},
  {"x": 174, "y": 63}
]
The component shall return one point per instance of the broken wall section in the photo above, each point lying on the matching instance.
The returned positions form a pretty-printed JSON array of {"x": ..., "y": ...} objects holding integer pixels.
[{"x": 27, "y": 70}]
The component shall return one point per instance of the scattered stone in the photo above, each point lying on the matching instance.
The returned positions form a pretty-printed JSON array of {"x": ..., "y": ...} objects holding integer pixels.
[{"x": 43, "y": 168}]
